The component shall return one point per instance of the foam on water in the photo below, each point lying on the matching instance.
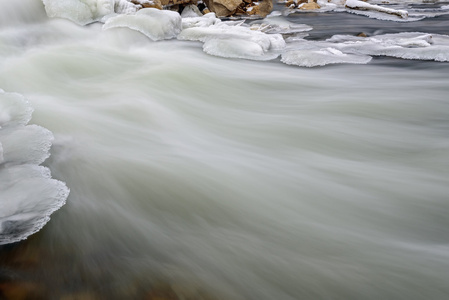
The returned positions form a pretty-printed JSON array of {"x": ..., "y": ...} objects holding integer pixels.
[{"x": 28, "y": 194}]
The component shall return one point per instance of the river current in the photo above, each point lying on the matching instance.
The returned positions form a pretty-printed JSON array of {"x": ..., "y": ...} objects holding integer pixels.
[{"x": 229, "y": 178}]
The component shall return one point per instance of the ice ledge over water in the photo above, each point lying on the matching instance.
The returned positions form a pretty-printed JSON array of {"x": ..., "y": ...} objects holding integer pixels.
[
  {"x": 154, "y": 23},
  {"x": 28, "y": 194}
]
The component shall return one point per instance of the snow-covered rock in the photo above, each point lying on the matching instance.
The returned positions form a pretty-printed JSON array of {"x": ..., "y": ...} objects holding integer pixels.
[{"x": 360, "y": 5}]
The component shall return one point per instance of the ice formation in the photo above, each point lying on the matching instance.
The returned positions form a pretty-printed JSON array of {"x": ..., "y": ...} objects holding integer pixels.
[
  {"x": 154, "y": 23},
  {"x": 272, "y": 36},
  {"x": 353, "y": 49},
  {"x": 397, "y": 11},
  {"x": 79, "y": 11},
  {"x": 125, "y": 7},
  {"x": 28, "y": 194},
  {"x": 360, "y": 5},
  {"x": 412, "y": 45},
  {"x": 204, "y": 21},
  {"x": 228, "y": 40},
  {"x": 277, "y": 24},
  {"x": 322, "y": 57}
]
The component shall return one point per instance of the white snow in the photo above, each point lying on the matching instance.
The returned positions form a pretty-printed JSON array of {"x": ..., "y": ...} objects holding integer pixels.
[{"x": 154, "y": 23}]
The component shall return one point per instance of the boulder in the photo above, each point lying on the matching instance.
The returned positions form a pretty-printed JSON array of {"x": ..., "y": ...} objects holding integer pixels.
[
  {"x": 230, "y": 5},
  {"x": 218, "y": 9},
  {"x": 265, "y": 8}
]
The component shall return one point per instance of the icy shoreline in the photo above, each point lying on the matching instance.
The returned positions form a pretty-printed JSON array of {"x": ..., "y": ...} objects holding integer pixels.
[
  {"x": 28, "y": 194},
  {"x": 267, "y": 38}
]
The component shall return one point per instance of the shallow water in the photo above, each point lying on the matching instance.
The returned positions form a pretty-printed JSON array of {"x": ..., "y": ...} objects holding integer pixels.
[{"x": 235, "y": 179}]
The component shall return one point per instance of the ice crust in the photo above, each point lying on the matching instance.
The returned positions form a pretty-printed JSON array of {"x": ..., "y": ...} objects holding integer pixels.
[
  {"x": 26, "y": 144},
  {"x": 154, "y": 23},
  {"x": 396, "y": 11},
  {"x": 204, "y": 21},
  {"x": 360, "y": 5},
  {"x": 232, "y": 40},
  {"x": 412, "y": 45},
  {"x": 373, "y": 14},
  {"x": 28, "y": 194},
  {"x": 125, "y": 7},
  {"x": 15, "y": 110},
  {"x": 322, "y": 57},
  {"x": 272, "y": 36},
  {"x": 276, "y": 24},
  {"x": 352, "y": 49}
]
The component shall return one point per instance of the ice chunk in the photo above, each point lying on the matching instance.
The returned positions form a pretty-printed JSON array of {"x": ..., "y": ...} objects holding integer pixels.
[
  {"x": 26, "y": 144},
  {"x": 79, "y": 11},
  {"x": 322, "y": 57},
  {"x": 125, "y": 7},
  {"x": 204, "y": 21},
  {"x": 233, "y": 41},
  {"x": 14, "y": 110},
  {"x": 413, "y": 45},
  {"x": 278, "y": 25},
  {"x": 28, "y": 196},
  {"x": 237, "y": 48},
  {"x": 154, "y": 23}
]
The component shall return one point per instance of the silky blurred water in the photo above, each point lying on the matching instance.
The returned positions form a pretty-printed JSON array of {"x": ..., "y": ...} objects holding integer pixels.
[{"x": 250, "y": 180}]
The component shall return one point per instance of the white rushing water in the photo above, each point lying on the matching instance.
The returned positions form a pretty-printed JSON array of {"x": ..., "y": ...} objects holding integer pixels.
[{"x": 251, "y": 179}]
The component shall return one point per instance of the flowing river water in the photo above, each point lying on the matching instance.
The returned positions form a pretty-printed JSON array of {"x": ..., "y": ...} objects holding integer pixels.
[{"x": 231, "y": 179}]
